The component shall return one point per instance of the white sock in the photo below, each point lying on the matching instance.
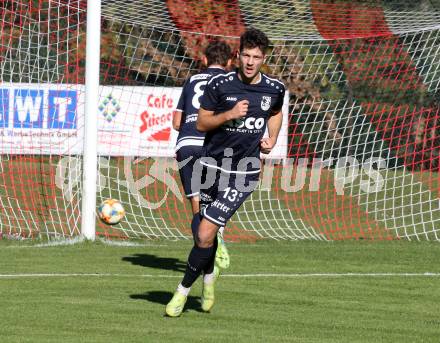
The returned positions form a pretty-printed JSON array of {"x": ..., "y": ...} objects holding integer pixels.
[
  {"x": 208, "y": 278},
  {"x": 183, "y": 290},
  {"x": 221, "y": 229}
]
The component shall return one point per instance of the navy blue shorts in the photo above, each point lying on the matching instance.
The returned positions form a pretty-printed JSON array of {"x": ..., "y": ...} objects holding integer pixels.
[
  {"x": 189, "y": 175},
  {"x": 220, "y": 201}
]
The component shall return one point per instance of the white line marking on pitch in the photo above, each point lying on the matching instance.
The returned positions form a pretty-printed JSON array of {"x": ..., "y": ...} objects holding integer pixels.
[
  {"x": 298, "y": 275},
  {"x": 67, "y": 243}
]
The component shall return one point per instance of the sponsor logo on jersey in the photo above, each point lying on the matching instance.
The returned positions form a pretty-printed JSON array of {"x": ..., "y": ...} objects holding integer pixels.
[
  {"x": 205, "y": 197},
  {"x": 231, "y": 98},
  {"x": 221, "y": 206},
  {"x": 191, "y": 118},
  {"x": 199, "y": 77},
  {"x": 265, "y": 103},
  {"x": 246, "y": 124}
]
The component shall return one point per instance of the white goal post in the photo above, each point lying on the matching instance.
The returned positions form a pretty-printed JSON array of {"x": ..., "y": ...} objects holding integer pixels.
[{"x": 90, "y": 161}]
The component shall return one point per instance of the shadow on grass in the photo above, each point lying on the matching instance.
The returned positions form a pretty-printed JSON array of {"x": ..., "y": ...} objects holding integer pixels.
[
  {"x": 153, "y": 261},
  {"x": 165, "y": 263},
  {"x": 161, "y": 297}
]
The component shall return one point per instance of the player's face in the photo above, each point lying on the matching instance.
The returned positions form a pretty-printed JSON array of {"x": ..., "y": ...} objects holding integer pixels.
[{"x": 251, "y": 61}]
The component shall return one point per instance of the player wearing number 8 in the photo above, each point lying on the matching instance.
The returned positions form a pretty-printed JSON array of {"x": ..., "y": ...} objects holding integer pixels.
[
  {"x": 234, "y": 111},
  {"x": 217, "y": 58}
]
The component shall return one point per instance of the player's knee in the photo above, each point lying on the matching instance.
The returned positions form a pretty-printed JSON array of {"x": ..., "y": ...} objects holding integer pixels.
[
  {"x": 205, "y": 243},
  {"x": 206, "y": 236}
]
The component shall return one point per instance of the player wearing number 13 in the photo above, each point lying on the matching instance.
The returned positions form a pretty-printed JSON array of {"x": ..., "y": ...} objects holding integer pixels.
[{"x": 235, "y": 110}]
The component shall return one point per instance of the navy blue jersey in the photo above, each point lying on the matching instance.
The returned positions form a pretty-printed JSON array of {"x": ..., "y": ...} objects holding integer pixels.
[
  {"x": 189, "y": 106},
  {"x": 241, "y": 135}
]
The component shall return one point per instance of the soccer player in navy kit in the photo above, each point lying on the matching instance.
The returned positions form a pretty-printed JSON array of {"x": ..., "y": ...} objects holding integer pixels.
[
  {"x": 235, "y": 110},
  {"x": 217, "y": 57}
]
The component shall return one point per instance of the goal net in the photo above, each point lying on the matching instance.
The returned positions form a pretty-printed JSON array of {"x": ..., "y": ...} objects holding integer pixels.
[{"x": 358, "y": 154}]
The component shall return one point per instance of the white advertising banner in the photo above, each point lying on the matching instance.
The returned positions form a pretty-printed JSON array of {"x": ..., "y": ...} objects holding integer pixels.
[
  {"x": 132, "y": 121},
  {"x": 137, "y": 121},
  {"x": 41, "y": 119}
]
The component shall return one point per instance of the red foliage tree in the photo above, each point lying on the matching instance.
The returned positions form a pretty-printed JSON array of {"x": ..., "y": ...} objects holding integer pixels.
[{"x": 200, "y": 21}]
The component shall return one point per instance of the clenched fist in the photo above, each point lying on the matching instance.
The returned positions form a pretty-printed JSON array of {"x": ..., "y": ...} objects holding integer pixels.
[
  {"x": 266, "y": 145},
  {"x": 239, "y": 110}
]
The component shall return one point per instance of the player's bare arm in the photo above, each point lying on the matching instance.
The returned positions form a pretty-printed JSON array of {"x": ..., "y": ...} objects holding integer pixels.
[
  {"x": 207, "y": 120},
  {"x": 273, "y": 128},
  {"x": 177, "y": 118}
]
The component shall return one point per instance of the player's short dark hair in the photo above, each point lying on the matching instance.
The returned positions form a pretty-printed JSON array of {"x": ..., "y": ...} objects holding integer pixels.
[
  {"x": 218, "y": 52},
  {"x": 254, "y": 38}
]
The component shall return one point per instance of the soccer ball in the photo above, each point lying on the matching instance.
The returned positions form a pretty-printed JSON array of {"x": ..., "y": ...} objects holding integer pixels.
[{"x": 111, "y": 211}]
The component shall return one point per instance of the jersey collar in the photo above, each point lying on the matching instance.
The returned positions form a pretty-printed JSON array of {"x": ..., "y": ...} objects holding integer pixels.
[{"x": 260, "y": 75}]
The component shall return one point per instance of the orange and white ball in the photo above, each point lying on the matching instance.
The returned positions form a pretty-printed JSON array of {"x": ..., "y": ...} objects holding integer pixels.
[{"x": 111, "y": 211}]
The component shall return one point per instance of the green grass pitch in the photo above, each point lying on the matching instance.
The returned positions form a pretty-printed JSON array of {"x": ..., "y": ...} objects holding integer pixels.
[{"x": 351, "y": 291}]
